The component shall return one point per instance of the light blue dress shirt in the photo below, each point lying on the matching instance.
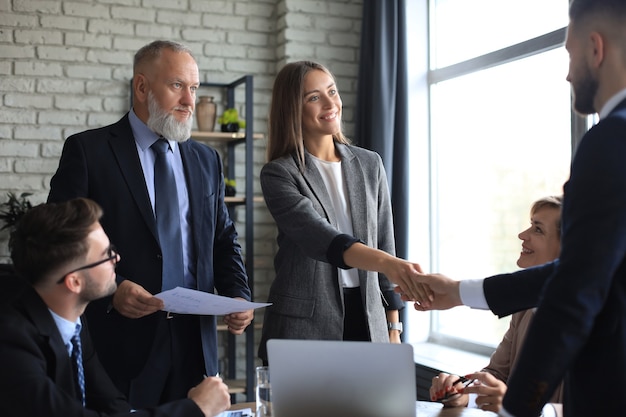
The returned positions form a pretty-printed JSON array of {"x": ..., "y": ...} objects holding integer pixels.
[
  {"x": 67, "y": 329},
  {"x": 144, "y": 138}
]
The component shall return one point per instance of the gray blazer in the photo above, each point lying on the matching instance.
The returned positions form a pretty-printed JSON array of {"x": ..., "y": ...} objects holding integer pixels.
[{"x": 306, "y": 295}]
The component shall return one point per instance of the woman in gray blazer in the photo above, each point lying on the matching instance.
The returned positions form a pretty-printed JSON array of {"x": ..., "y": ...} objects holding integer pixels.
[{"x": 336, "y": 265}]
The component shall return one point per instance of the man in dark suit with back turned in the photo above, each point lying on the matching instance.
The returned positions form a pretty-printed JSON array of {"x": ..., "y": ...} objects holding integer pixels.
[
  {"x": 579, "y": 329},
  {"x": 66, "y": 261},
  {"x": 151, "y": 356}
]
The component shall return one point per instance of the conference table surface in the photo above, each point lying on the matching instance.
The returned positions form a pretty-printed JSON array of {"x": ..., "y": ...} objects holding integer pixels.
[{"x": 423, "y": 409}]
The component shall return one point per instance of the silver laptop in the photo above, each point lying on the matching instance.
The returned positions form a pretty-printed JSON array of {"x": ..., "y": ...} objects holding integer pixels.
[{"x": 314, "y": 378}]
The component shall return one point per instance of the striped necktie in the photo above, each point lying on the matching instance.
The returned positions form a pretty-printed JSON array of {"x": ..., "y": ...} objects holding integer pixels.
[
  {"x": 167, "y": 214},
  {"x": 77, "y": 358}
]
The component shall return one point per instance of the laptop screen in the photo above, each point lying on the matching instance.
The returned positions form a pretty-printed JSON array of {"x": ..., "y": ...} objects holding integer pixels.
[{"x": 313, "y": 378}]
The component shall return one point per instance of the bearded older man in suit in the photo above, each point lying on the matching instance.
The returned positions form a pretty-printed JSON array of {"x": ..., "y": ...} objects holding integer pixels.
[{"x": 152, "y": 357}]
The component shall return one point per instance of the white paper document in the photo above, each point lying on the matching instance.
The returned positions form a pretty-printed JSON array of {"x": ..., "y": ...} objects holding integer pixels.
[
  {"x": 246, "y": 412},
  {"x": 187, "y": 301}
]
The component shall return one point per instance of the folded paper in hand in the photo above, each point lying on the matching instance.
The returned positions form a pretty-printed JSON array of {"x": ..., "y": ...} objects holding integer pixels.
[
  {"x": 246, "y": 412},
  {"x": 187, "y": 301}
]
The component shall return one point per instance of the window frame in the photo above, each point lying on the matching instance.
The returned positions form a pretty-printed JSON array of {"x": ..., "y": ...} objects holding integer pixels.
[{"x": 421, "y": 79}]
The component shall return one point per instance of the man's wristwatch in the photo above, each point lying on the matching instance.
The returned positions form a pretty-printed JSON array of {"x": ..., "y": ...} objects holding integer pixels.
[{"x": 395, "y": 326}]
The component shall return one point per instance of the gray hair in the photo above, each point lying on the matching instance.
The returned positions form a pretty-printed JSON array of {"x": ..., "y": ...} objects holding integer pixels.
[{"x": 153, "y": 50}]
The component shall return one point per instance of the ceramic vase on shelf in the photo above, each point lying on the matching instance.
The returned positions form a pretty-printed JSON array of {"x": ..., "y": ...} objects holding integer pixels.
[{"x": 206, "y": 111}]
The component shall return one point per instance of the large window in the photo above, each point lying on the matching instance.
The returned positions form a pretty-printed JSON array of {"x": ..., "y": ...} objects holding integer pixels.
[{"x": 498, "y": 137}]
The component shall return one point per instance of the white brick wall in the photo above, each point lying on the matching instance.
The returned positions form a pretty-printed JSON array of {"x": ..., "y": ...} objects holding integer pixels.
[{"x": 66, "y": 67}]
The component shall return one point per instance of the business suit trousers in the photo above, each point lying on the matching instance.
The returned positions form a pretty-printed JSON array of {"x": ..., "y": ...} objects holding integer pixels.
[
  {"x": 174, "y": 365},
  {"x": 354, "y": 323}
]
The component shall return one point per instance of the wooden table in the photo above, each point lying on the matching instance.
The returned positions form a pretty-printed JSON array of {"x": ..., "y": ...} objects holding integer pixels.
[
  {"x": 430, "y": 409},
  {"x": 424, "y": 409}
]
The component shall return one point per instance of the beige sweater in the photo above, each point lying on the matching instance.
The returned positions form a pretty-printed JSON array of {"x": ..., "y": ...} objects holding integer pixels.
[{"x": 505, "y": 356}]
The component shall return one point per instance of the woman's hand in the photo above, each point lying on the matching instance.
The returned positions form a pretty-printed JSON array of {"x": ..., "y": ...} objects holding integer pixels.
[
  {"x": 402, "y": 273},
  {"x": 445, "y": 388},
  {"x": 444, "y": 292},
  {"x": 490, "y": 391},
  {"x": 405, "y": 275}
]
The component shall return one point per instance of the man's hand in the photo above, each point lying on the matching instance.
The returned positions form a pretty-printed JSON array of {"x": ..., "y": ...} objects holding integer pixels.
[
  {"x": 237, "y": 322},
  {"x": 211, "y": 395},
  {"x": 445, "y": 290},
  {"x": 398, "y": 271},
  {"x": 133, "y": 301},
  {"x": 490, "y": 391},
  {"x": 405, "y": 275}
]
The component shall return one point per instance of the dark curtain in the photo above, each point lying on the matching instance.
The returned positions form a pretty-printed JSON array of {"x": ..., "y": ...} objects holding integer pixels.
[{"x": 381, "y": 118}]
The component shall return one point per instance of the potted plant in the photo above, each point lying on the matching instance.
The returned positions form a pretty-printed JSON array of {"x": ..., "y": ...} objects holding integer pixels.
[
  {"x": 230, "y": 121},
  {"x": 231, "y": 187},
  {"x": 11, "y": 212},
  {"x": 13, "y": 209}
]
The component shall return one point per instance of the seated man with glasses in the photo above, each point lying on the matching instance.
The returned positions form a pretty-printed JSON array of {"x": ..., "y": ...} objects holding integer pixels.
[
  {"x": 49, "y": 366},
  {"x": 112, "y": 255}
]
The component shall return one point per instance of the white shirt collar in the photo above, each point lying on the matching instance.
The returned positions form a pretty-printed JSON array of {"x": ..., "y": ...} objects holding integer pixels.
[{"x": 611, "y": 103}]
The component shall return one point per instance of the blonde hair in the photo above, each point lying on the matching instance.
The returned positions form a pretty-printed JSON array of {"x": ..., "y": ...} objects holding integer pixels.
[{"x": 553, "y": 201}]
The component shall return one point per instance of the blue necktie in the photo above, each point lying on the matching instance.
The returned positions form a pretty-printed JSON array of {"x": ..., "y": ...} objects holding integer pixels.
[
  {"x": 167, "y": 217},
  {"x": 77, "y": 357}
]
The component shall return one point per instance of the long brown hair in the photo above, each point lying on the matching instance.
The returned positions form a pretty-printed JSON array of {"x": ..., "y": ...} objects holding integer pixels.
[{"x": 285, "y": 118}]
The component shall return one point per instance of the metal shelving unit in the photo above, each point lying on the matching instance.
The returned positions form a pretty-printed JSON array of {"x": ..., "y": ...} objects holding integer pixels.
[{"x": 245, "y": 138}]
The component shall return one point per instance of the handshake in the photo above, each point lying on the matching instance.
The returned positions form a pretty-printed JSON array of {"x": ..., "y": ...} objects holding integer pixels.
[{"x": 427, "y": 291}]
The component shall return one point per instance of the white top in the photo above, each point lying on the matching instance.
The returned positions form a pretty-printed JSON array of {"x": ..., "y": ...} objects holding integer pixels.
[{"x": 336, "y": 187}]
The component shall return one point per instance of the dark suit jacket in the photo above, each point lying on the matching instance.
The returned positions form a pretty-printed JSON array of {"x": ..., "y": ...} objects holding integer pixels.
[
  {"x": 579, "y": 329},
  {"x": 10, "y": 284},
  {"x": 103, "y": 164},
  {"x": 38, "y": 377}
]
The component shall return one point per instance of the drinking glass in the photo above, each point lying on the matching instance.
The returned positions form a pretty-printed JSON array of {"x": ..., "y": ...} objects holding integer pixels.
[{"x": 263, "y": 392}]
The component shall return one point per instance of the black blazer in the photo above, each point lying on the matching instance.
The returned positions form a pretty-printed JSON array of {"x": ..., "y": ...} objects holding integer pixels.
[
  {"x": 103, "y": 164},
  {"x": 37, "y": 373},
  {"x": 579, "y": 329}
]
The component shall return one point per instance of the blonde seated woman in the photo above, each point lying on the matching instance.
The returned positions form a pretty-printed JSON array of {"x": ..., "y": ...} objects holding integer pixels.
[{"x": 541, "y": 243}]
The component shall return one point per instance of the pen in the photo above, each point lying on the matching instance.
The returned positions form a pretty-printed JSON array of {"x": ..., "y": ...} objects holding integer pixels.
[{"x": 464, "y": 383}]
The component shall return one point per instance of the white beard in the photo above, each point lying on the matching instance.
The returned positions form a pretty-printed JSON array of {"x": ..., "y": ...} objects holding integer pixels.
[{"x": 164, "y": 123}]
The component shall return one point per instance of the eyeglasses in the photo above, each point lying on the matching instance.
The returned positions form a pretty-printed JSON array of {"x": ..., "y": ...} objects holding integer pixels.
[{"x": 112, "y": 255}]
